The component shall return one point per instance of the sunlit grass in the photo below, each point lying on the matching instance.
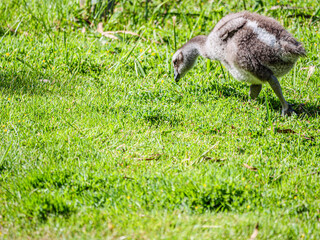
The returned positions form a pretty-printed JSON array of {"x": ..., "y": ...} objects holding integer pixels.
[{"x": 98, "y": 141}]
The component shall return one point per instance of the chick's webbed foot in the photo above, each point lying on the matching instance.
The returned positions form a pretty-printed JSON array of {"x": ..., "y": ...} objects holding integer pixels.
[{"x": 289, "y": 111}]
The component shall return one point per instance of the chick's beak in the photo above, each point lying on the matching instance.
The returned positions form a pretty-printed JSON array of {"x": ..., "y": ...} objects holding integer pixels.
[{"x": 176, "y": 76}]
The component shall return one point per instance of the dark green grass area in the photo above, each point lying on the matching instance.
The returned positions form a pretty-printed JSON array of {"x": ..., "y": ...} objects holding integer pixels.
[{"x": 97, "y": 141}]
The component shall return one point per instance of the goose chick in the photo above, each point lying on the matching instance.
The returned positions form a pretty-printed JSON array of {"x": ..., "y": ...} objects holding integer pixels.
[{"x": 254, "y": 48}]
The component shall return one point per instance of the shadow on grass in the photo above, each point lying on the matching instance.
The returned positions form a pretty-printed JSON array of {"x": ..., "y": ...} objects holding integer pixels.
[
  {"x": 226, "y": 90},
  {"x": 4, "y": 31},
  {"x": 22, "y": 83},
  {"x": 301, "y": 109}
]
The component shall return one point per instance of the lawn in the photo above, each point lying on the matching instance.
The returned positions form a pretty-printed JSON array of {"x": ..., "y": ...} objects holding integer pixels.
[{"x": 97, "y": 141}]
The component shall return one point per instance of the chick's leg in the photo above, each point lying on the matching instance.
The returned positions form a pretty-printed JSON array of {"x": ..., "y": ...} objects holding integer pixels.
[
  {"x": 275, "y": 85},
  {"x": 255, "y": 89}
]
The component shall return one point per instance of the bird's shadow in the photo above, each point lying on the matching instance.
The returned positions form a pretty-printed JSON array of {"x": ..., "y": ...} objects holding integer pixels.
[
  {"x": 301, "y": 109},
  {"x": 227, "y": 90}
]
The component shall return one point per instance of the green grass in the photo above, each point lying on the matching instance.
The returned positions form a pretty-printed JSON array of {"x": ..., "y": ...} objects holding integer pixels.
[{"x": 97, "y": 141}]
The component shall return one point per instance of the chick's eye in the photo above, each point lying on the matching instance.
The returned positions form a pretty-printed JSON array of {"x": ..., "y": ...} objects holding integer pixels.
[{"x": 175, "y": 62}]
